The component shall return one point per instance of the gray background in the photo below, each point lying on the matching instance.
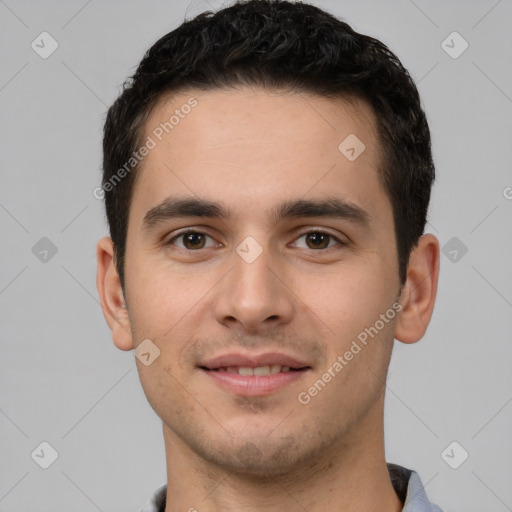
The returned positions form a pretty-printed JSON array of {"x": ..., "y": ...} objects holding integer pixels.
[{"x": 61, "y": 378}]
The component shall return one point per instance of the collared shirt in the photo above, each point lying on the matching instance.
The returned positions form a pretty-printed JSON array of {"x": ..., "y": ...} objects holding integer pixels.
[{"x": 407, "y": 485}]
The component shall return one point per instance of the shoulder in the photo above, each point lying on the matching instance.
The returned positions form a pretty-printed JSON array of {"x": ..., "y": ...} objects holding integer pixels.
[
  {"x": 156, "y": 503},
  {"x": 410, "y": 490}
]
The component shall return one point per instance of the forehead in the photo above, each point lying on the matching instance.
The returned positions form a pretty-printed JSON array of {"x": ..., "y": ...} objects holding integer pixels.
[
  {"x": 254, "y": 115},
  {"x": 255, "y": 147}
]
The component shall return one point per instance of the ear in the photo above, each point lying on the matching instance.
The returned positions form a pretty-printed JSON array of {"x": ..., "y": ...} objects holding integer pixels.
[
  {"x": 111, "y": 295},
  {"x": 419, "y": 291}
]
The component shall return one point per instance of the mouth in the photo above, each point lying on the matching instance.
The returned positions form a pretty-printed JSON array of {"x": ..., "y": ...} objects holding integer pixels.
[
  {"x": 254, "y": 375},
  {"x": 257, "y": 371}
]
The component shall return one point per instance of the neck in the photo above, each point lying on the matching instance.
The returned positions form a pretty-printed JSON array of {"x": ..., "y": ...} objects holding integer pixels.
[{"x": 351, "y": 476}]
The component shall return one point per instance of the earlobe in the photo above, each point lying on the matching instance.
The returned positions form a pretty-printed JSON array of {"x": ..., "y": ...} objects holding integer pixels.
[
  {"x": 111, "y": 295},
  {"x": 419, "y": 292}
]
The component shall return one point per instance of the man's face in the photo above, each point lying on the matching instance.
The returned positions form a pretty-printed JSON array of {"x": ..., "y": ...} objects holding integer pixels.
[{"x": 256, "y": 283}]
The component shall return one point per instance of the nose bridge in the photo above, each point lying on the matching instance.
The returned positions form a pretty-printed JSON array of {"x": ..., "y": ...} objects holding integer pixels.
[{"x": 253, "y": 293}]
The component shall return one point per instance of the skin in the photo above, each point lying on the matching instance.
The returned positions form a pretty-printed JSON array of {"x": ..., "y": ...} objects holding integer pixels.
[{"x": 251, "y": 149}]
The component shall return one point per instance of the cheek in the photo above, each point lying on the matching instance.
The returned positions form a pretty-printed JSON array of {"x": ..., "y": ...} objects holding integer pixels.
[
  {"x": 162, "y": 296},
  {"x": 347, "y": 301}
]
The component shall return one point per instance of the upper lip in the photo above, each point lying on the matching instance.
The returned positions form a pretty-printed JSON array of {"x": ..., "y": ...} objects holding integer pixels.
[{"x": 252, "y": 360}]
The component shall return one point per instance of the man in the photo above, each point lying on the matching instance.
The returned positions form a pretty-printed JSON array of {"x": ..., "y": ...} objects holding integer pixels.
[{"x": 267, "y": 175}]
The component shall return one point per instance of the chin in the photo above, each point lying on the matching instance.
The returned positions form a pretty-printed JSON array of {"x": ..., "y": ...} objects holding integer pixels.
[{"x": 258, "y": 459}]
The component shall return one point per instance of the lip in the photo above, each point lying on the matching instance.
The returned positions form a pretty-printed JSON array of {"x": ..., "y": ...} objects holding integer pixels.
[
  {"x": 253, "y": 385},
  {"x": 252, "y": 360}
]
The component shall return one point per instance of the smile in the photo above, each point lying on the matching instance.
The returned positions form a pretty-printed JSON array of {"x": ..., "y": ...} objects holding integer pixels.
[
  {"x": 257, "y": 381},
  {"x": 258, "y": 371}
]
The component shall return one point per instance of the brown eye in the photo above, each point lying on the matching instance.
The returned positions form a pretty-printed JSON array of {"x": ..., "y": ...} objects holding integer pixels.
[
  {"x": 317, "y": 240},
  {"x": 191, "y": 240}
]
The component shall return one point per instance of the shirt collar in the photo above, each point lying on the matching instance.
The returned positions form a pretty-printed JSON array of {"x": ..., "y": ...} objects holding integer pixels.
[{"x": 410, "y": 490}]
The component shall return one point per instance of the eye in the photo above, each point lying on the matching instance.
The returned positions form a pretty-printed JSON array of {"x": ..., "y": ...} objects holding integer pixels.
[
  {"x": 191, "y": 240},
  {"x": 319, "y": 240}
]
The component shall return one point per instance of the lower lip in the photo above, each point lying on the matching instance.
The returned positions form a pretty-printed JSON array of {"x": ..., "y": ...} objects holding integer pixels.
[{"x": 254, "y": 385}]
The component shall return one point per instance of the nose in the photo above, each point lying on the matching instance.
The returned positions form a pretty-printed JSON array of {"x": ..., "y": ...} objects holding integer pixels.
[{"x": 254, "y": 296}]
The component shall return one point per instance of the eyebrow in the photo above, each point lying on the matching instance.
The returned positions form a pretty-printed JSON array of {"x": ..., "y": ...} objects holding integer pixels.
[{"x": 332, "y": 207}]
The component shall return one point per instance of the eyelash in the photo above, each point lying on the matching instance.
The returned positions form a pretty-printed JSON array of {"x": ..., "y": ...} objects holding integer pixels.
[{"x": 194, "y": 231}]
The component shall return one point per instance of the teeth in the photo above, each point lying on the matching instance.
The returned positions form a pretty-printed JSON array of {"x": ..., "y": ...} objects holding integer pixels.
[
  {"x": 275, "y": 368},
  {"x": 258, "y": 371},
  {"x": 262, "y": 370}
]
